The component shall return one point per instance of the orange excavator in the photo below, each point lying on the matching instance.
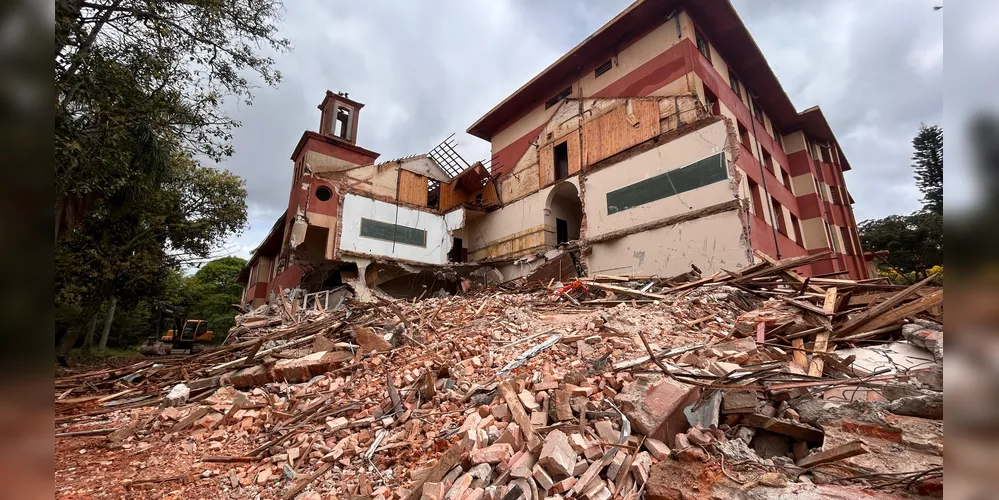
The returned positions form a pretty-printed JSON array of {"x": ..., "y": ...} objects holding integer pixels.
[{"x": 187, "y": 335}]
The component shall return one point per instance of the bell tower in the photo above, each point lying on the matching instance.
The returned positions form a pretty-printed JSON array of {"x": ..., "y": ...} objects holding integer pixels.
[{"x": 339, "y": 116}]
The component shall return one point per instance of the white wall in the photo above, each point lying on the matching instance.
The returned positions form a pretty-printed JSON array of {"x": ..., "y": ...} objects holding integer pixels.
[
  {"x": 713, "y": 243},
  {"x": 437, "y": 227}
]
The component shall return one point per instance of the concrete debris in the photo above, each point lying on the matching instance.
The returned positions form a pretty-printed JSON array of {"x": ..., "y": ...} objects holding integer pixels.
[{"x": 515, "y": 392}]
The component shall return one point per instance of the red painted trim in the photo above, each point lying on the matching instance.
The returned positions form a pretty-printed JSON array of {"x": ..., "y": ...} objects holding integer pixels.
[
  {"x": 751, "y": 167},
  {"x": 655, "y": 74},
  {"x": 800, "y": 163},
  {"x": 336, "y": 148},
  {"x": 808, "y": 206},
  {"x": 291, "y": 277},
  {"x": 507, "y": 158},
  {"x": 762, "y": 238}
]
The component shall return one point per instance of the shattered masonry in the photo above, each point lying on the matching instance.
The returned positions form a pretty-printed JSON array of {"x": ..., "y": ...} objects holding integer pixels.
[{"x": 756, "y": 389}]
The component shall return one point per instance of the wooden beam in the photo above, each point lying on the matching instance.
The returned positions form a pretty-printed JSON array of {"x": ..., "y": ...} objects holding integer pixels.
[
  {"x": 798, "y": 431},
  {"x": 908, "y": 310},
  {"x": 872, "y": 313},
  {"x": 627, "y": 291},
  {"x": 847, "y": 450}
]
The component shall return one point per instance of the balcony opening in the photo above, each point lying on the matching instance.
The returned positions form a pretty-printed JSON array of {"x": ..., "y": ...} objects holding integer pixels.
[
  {"x": 561, "y": 157},
  {"x": 768, "y": 161},
  {"x": 711, "y": 102},
  {"x": 564, "y": 212},
  {"x": 787, "y": 179}
]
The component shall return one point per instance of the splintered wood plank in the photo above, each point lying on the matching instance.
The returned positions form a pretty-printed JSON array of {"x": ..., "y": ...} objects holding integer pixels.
[
  {"x": 829, "y": 306},
  {"x": 798, "y": 356},
  {"x": 818, "y": 362}
]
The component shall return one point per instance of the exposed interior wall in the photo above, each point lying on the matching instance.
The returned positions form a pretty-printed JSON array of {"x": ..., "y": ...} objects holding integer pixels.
[
  {"x": 682, "y": 151},
  {"x": 513, "y": 230},
  {"x": 630, "y": 123},
  {"x": 711, "y": 243},
  {"x": 324, "y": 163},
  {"x": 412, "y": 188},
  {"x": 437, "y": 227},
  {"x": 628, "y": 59},
  {"x": 378, "y": 180}
]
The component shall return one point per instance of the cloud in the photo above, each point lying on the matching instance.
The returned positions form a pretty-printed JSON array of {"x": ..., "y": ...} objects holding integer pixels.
[{"x": 425, "y": 71}]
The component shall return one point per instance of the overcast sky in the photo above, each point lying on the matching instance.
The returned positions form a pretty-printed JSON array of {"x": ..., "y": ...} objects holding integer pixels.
[{"x": 425, "y": 70}]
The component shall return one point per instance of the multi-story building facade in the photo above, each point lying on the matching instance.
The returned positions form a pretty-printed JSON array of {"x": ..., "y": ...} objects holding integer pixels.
[
  {"x": 791, "y": 162},
  {"x": 662, "y": 140}
]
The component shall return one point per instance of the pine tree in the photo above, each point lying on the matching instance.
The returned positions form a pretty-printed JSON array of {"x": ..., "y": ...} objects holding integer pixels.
[{"x": 928, "y": 166}]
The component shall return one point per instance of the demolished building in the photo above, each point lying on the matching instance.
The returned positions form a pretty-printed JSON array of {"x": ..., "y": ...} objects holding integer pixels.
[{"x": 662, "y": 140}]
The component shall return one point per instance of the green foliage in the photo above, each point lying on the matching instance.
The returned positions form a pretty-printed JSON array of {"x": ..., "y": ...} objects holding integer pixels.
[
  {"x": 140, "y": 88},
  {"x": 913, "y": 243},
  {"x": 211, "y": 292},
  {"x": 928, "y": 166},
  {"x": 138, "y": 81}
]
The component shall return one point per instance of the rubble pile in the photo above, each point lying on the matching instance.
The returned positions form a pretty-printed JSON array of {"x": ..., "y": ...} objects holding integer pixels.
[{"x": 759, "y": 384}]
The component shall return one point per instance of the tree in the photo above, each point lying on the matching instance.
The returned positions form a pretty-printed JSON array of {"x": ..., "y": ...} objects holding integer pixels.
[
  {"x": 131, "y": 253},
  {"x": 912, "y": 243},
  {"x": 138, "y": 81},
  {"x": 928, "y": 166},
  {"x": 213, "y": 290}
]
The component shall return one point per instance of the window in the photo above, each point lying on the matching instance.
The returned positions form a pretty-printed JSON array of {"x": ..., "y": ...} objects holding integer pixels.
[
  {"x": 796, "y": 225},
  {"x": 341, "y": 123},
  {"x": 744, "y": 137},
  {"x": 847, "y": 241},
  {"x": 561, "y": 231},
  {"x": 603, "y": 68},
  {"x": 787, "y": 179},
  {"x": 757, "y": 112},
  {"x": 561, "y": 157},
  {"x": 779, "y": 216},
  {"x": 780, "y": 141},
  {"x": 754, "y": 191},
  {"x": 702, "y": 45},
  {"x": 323, "y": 193},
  {"x": 558, "y": 97},
  {"x": 768, "y": 161},
  {"x": 733, "y": 82},
  {"x": 824, "y": 154}
]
